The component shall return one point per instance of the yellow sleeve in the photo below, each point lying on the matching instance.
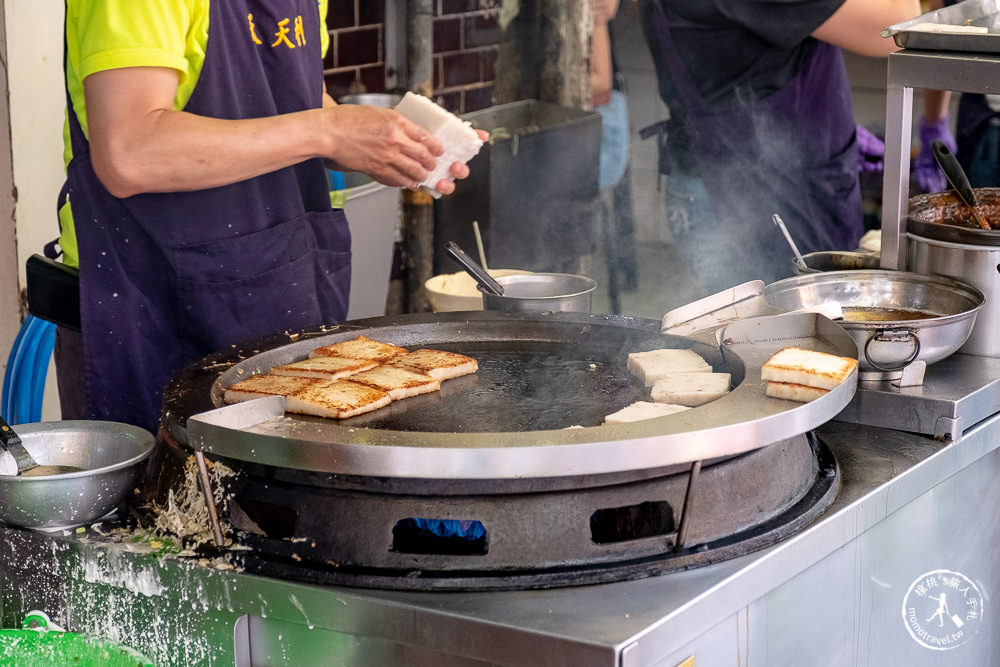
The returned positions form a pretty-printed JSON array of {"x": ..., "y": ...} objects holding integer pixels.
[
  {"x": 123, "y": 33},
  {"x": 324, "y": 34}
]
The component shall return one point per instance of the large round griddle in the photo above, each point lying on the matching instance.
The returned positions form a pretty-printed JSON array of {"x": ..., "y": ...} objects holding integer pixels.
[{"x": 540, "y": 373}]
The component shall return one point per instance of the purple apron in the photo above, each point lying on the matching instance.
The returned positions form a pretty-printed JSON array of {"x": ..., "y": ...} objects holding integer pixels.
[
  {"x": 793, "y": 152},
  {"x": 168, "y": 278}
]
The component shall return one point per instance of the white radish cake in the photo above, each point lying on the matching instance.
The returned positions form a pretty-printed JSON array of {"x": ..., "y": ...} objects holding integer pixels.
[
  {"x": 398, "y": 382},
  {"x": 336, "y": 399},
  {"x": 653, "y": 365},
  {"x": 808, "y": 367},
  {"x": 360, "y": 348},
  {"x": 690, "y": 389},
  {"x": 797, "y": 374},
  {"x": 794, "y": 392},
  {"x": 324, "y": 368},
  {"x": 641, "y": 410},
  {"x": 439, "y": 364},
  {"x": 461, "y": 142},
  {"x": 260, "y": 385}
]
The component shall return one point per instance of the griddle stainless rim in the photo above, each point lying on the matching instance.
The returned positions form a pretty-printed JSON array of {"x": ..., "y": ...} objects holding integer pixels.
[{"x": 743, "y": 420}]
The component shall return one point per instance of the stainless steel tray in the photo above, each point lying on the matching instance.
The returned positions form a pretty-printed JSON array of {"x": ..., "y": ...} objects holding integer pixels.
[
  {"x": 743, "y": 420},
  {"x": 915, "y": 34}
]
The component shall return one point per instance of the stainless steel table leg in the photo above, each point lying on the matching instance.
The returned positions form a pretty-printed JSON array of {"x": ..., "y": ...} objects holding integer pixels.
[{"x": 896, "y": 177}]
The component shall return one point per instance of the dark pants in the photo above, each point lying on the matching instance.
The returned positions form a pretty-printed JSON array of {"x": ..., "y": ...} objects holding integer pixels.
[{"x": 69, "y": 373}]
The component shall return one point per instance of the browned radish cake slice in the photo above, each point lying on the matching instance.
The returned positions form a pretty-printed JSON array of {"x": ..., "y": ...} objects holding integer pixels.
[
  {"x": 325, "y": 368},
  {"x": 360, "y": 348},
  {"x": 256, "y": 386},
  {"x": 808, "y": 367},
  {"x": 439, "y": 364},
  {"x": 794, "y": 392},
  {"x": 336, "y": 399},
  {"x": 397, "y": 381}
]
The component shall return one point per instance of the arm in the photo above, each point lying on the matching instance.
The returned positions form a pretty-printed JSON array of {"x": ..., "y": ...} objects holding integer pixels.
[
  {"x": 139, "y": 144},
  {"x": 604, "y": 10},
  {"x": 601, "y": 74},
  {"x": 857, "y": 24}
]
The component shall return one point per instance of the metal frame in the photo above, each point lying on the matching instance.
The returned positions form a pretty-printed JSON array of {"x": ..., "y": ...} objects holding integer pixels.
[{"x": 909, "y": 69}]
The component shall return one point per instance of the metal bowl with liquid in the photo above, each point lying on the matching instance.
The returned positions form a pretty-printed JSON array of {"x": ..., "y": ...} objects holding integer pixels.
[
  {"x": 895, "y": 317},
  {"x": 108, "y": 457},
  {"x": 540, "y": 292}
]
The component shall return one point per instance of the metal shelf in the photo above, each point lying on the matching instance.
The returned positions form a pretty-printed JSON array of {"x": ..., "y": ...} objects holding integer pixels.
[{"x": 933, "y": 70}]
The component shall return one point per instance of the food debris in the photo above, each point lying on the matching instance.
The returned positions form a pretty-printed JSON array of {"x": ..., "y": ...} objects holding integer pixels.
[{"x": 185, "y": 514}]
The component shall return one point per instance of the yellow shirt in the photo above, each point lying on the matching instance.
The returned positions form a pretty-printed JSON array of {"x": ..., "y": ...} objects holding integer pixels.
[{"x": 110, "y": 34}]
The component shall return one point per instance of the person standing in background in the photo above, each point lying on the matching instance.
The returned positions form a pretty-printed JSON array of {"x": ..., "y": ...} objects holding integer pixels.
[
  {"x": 196, "y": 202},
  {"x": 761, "y": 122},
  {"x": 608, "y": 100}
]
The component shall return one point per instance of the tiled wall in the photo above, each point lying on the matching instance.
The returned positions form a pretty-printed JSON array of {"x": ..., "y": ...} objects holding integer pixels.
[{"x": 466, "y": 34}]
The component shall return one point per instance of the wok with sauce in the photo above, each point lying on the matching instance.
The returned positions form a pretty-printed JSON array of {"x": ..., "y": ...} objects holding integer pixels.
[
  {"x": 895, "y": 317},
  {"x": 945, "y": 208}
]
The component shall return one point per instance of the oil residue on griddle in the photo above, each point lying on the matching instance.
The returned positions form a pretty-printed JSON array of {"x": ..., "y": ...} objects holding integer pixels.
[{"x": 533, "y": 388}]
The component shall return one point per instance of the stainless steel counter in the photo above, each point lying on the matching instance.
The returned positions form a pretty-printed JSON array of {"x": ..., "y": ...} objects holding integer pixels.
[{"x": 833, "y": 594}]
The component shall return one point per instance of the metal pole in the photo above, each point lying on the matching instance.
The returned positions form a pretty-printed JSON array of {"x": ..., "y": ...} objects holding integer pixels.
[
  {"x": 206, "y": 488},
  {"x": 686, "y": 511},
  {"x": 896, "y": 177}
]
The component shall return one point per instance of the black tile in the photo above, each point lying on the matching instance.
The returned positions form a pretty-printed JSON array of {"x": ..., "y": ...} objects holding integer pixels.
[
  {"x": 447, "y": 35},
  {"x": 359, "y": 47}
]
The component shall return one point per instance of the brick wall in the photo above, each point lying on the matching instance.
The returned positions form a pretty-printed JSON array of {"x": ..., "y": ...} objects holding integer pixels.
[{"x": 466, "y": 34}]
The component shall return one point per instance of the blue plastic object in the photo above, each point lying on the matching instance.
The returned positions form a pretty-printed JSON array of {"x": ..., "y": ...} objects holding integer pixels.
[{"x": 27, "y": 366}]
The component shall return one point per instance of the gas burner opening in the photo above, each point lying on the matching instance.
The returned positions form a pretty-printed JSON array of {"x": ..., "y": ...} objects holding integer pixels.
[
  {"x": 265, "y": 518},
  {"x": 451, "y": 537},
  {"x": 632, "y": 522}
]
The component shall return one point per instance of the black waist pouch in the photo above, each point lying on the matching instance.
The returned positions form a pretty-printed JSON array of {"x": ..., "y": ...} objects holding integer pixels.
[{"x": 53, "y": 291}]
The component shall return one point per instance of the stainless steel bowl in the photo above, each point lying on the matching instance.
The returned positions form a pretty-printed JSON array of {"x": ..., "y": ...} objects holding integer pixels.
[
  {"x": 895, "y": 317},
  {"x": 539, "y": 292},
  {"x": 386, "y": 100},
  {"x": 110, "y": 454},
  {"x": 834, "y": 260}
]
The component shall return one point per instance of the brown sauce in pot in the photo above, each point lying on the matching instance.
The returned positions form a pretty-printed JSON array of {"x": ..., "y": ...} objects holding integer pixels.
[
  {"x": 875, "y": 314},
  {"x": 945, "y": 208}
]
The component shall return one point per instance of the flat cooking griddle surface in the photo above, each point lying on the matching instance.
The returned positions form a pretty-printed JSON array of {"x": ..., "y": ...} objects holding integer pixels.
[
  {"x": 535, "y": 386},
  {"x": 539, "y": 374},
  {"x": 532, "y": 376}
]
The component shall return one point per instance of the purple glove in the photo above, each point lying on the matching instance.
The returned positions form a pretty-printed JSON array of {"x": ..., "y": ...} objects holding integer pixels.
[
  {"x": 925, "y": 169},
  {"x": 871, "y": 151}
]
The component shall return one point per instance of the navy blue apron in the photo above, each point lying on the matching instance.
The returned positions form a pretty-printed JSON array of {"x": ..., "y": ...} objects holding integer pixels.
[
  {"x": 793, "y": 152},
  {"x": 168, "y": 278}
]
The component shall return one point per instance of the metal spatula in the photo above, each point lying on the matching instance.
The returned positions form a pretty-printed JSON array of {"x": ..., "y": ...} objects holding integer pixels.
[
  {"x": 12, "y": 443},
  {"x": 958, "y": 180}
]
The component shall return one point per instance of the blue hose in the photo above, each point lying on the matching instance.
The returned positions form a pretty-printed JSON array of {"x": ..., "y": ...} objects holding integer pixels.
[
  {"x": 16, "y": 399},
  {"x": 22, "y": 379},
  {"x": 27, "y": 366},
  {"x": 9, "y": 377},
  {"x": 46, "y": 343}
]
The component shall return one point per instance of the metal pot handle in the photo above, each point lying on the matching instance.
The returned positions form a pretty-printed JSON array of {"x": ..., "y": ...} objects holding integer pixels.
[{"x": 906, "y": 362}]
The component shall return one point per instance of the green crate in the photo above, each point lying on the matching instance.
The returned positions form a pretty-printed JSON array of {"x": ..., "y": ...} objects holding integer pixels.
[{"x": 40, "y": 642}]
